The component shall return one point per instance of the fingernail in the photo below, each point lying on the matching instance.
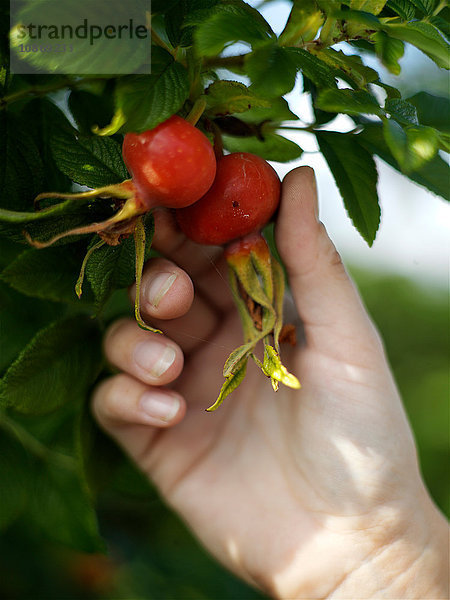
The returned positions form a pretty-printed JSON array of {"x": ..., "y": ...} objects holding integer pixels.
[
  {"x": 154, "y": 358},
  {"x": 159, "y": 406},
  {"x": 159, "y": 286}
]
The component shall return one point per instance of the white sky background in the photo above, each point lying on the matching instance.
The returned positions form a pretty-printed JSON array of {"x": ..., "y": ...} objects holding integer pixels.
[{"x": 413, "y": 238}]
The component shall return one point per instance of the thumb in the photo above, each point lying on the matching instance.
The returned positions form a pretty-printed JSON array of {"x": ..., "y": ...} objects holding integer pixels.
[{"x": 326, "y": 299}]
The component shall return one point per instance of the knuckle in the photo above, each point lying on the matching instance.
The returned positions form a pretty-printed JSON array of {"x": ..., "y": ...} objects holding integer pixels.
[
  {"x": 332, "y": 256},
  {"x": 108, "y": 398},
  {"x": 335, "y": 259},
  {"x": 115, "y": 329}
]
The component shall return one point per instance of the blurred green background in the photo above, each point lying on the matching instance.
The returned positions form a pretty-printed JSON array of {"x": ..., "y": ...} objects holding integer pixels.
[{"x": 153, "y": 556}]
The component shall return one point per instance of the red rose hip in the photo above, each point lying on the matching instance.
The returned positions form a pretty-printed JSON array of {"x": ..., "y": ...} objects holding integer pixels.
[
  {"x": 242, "y": 199},
  {"x": 172, "y": 165}
]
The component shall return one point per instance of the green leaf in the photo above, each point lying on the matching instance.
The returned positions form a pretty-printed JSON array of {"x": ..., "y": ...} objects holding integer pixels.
[
  {"x": 320, "y": 116},
  {"x": 49, "y": 273},
  {"x": 15, "y": 475},
  {"x": 9, "y": 250},
  {"x": 444, "y": 142},
  {"x": 435, "y": 175},
  {"x": 228, "y": 24},
  {"x": 98, "y": 455},
  {"x": 271, "y": 147},
  {"x": 58, "y": 366},
  {"x": 91, "y": 110},
  {"x": 53, "y": 431},
  {"x": 391, "y": 92},
  {"x": 389, "y": 51},
  {"x": 62, "y": 509},
  {"x": 424, "y": 36},
  {"x": 396, "y": 140},
  {"x": 41, "y": 117},
  {"x": 315, "y": 69},
  {"x": 349, "y": 67},
  {"x": 370, "y": 6},
  {"x": 227, "y": 97},
  {"x": 58, "y": 475},
  {"x": 21, "y": 169},
  {"x": 179, "y": 19},
  {"x": 362, "y": 45},
  {"x": 402, "y": 111},
  {"x": 327, "y": 5},
  {"x": 277, "y": 112},
  {"x": 87, "y": 159},
  {"x": 272, "y": 70},
  {"x": 424, "y": 6},
  {"x": 348, "y": 101},
  {"x": 358, "y": 24},
  {"x": 432, "y": 110},
  {"x": 144, "y": 101},
  {"x": 442, "y": 24},
  {"x": 163, "y": 6},
  {"x": 20, "y": 320},
  {"x": 357, "y": 21},
  {"x": 404, "y": 8},
  {"x": 412, "y": 147},
  {"x": 113, "y": 267},
  {"x": 355, "y": 173},
  {"x": 303, "y": 23}
]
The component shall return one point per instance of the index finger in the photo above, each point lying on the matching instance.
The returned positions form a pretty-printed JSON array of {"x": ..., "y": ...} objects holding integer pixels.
[{"x": 173, "y": 244}]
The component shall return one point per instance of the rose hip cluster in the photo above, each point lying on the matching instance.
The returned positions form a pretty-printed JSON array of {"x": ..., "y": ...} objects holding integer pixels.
[
  {"x": 223, "y": 203},
  {"x": 174, "y": 166},
  {"x": 219, "y": 202}
]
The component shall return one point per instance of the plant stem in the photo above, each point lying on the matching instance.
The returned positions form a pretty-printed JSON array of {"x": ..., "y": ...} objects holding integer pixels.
[
  {"x": 313, "y": 129},
  {"x": 226, "y": 61},
  {"x": 218, "y": 141},
  {"x": 439, "y": 7},
  {"x": 42, "y": 91},
  {"x": 308, "y": 129},
  {"x": 160, "y": 42},
  {"x": 196, "y": 111}
]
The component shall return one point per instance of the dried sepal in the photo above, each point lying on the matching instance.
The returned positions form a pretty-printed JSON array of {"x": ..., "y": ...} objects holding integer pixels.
[
  {"x": 125, "y": 216},
  {"x": 257, "y": 285},
  {"x": 91, "y": 250},
  {"x": 139, "y": 243},
  {"x": 230, "y": 384},
  {"x": 232, "y": 363},
  {"x": 274, "y": 368},
  {"x": 245, "y": 313},
  {"x": 278, "y": 300},
  {"x": 242, "y": 264},
  {"x": 122, "y": 191}
]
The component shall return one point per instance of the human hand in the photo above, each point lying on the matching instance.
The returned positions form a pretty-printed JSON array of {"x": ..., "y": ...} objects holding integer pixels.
[{"x": 313, "y": 493}]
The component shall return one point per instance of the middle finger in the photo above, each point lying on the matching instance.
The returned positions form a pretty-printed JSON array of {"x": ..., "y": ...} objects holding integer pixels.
[{"x": 150, "y": 357}]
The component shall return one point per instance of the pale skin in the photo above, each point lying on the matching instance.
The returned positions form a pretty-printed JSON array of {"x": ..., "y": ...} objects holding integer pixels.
[{"x": 311, "y": 493}]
